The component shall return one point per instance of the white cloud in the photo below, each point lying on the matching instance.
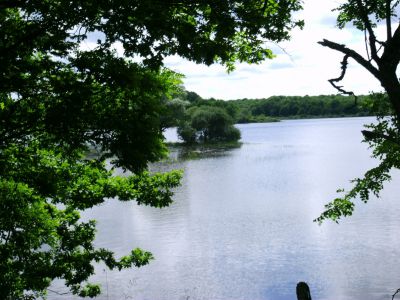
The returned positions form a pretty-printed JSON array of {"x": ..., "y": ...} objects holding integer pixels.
[{"x": 305, "y": 68}]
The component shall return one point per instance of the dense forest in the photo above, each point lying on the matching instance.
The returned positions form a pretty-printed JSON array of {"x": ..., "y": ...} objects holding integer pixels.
[{"x": 285, "y": 107}]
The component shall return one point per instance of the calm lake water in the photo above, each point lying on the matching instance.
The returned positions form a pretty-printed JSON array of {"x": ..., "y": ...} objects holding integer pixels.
[{"x": 241, "y": 226}]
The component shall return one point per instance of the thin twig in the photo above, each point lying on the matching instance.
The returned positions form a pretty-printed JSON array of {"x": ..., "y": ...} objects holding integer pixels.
[
  {"x": 366, "y": 44},
  {"x": 106, "y": 281},
  {"x": 283, "y": 50},
  {"x": 58, "y": 293},
  {"x": 398, "y": 290}
]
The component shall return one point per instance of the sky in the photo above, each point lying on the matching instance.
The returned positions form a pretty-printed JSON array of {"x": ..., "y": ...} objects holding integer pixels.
[{"x": 303, "y": 70}]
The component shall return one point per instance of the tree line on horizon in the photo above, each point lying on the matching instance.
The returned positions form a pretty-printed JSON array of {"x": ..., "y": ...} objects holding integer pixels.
[
  {"x": 274, "y": 108},
  {"x": 211, "y": 120}
]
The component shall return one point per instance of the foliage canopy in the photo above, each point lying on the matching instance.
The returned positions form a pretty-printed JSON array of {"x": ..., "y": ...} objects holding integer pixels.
[{"x": 58, "y": 99}]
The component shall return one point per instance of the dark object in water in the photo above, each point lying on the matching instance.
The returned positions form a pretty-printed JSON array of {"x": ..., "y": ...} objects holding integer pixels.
[{"x": 303, "y": 291}]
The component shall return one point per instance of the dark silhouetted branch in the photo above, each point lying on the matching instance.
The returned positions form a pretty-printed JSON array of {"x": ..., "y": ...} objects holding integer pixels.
[
  {"x": 395, "y": 293},
  {"x": 59, "y": 293},
  {"x": 388, "y": 20},
  {"x": 340, "y": 78},
  {"x": 353, "y": 54},
  {"x": 371, "y": 135},
  {"x": 366, "y": 44}
]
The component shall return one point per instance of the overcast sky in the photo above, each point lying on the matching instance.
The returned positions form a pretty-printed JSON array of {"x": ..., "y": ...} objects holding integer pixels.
[{"x": 303, "y": 71}]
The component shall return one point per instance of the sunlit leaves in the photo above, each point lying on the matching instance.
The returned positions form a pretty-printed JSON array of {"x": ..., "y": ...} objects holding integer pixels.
[
  {"x": 351, "y": 12},
  {"x": 67, "y": 109},
  {"x": 137, "y": 258},
  {"x": 48, "y": 240},
  {"x": 384, "y": 139},
  {"x": 202, "y": 31}
]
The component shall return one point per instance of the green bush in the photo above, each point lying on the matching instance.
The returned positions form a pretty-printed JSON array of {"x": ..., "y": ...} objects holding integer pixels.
[{"x": 208, "y": 124}]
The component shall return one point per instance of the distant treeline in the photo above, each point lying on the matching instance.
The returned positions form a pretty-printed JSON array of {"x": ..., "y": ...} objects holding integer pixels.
[
  {"x": 286, "y": 107},
  {"x": 210, "y": 120}
]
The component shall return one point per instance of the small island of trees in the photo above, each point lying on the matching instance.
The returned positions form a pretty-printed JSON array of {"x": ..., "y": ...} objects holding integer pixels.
[{"x": 207, "y": 124}]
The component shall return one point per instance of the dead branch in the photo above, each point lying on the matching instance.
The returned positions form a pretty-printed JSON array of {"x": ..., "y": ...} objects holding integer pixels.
[
  {"x": 333, "y": 81},
  {"x": 352, "y": 54},
  {"x": 395, "y": 293}
]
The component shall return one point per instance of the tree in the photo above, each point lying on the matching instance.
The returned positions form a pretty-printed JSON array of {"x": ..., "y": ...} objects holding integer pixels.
[
  {"x": 59, "y": 101},
  {"x": 383, "y": 57},
  {"x": 192, "y": 97},
  {"x": 175, "y": 111},
  {"x": 208, "y": 124}
]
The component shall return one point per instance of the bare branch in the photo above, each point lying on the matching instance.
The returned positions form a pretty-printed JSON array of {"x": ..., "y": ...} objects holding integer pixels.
[
  {"x": 395, "y": 293},
  {"x": 352, "y": 54},
  {"x": 366, "y": 44},
  {"x": 59, "y": 293},
  {"x": 340, "y": 78},
  {"x": 283, "y": 50}
]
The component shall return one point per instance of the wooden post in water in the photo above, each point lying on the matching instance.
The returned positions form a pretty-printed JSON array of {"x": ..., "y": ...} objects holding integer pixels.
[{"x": 303, "y": 291}]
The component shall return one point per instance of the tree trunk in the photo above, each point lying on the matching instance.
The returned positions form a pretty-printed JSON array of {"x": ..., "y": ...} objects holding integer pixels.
[{"x": 392, "y": 87}]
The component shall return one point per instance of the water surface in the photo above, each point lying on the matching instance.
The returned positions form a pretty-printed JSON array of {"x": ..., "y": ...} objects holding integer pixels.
[{"x": 241, "y": 226}]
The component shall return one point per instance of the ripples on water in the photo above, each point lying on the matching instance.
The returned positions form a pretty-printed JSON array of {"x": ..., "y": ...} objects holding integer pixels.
[{"x": 241, "y": 224}]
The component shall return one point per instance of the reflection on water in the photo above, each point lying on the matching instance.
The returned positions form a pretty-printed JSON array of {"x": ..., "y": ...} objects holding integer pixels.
[
  {"x": 241, "y": 224},
  {"x": 180, "y": 152}
]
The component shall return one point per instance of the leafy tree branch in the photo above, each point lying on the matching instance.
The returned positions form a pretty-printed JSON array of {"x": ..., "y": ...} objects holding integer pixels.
[
  {"x": 383, "y": 137},
  {"x": 59, "y": 101}
]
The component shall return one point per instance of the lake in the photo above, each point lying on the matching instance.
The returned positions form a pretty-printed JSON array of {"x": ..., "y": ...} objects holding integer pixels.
[{"x": 241, "y": 226}]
